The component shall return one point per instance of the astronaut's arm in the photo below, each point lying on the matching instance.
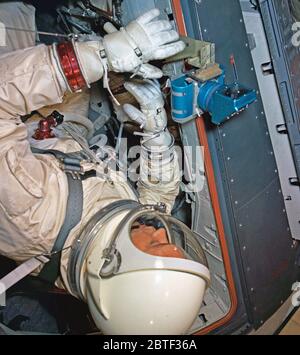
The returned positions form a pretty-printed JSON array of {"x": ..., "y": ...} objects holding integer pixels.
[
  {"x": 159, "y": 165},
  {"x": 163, "y": 187},
  {"x": 30, "y": 79}
]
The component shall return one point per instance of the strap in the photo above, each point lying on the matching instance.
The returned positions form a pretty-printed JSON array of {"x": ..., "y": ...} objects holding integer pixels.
[
  {"x": 103, "y": 60},
  {"x": 20, "y": 272},
  {"x": 74, "y": 209},
  {"x": 73, "y": 216},
  {"x": 133, "y": 44}
]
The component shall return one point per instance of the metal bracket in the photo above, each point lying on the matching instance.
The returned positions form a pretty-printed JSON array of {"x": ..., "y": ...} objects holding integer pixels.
[
  {"x": 294, "y": 181},
  {"x": 282, "y": 129}
]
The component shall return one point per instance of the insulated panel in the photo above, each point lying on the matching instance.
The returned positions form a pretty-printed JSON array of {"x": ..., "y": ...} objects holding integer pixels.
[
  {"x": 285, "y": 51},
  {"x": 246, "y": 170}
]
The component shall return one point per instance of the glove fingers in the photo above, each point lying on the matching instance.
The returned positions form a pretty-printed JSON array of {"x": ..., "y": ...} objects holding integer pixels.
[
  {"x": 165, "y": 37},
  {"x": 146, "y": 91},
  {"x": 154, "y": 84},
  {"x": 135, "y": 115},
  {"x": 148, "y": 71},
  {"x": 139, "y": 91},
  {"x": 168, "y": 50},
  {"x": 148, "y": 16},
  {"x": 158, "y": 26}
]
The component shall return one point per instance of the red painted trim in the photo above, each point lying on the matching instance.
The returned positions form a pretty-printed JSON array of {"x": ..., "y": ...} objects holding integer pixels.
[{"x": 214, "y": 197}]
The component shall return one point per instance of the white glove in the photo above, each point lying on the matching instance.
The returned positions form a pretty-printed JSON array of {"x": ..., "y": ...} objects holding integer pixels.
[
  {"x": 152, "y": 117},
  {"x": 128, "y": 50},
  {"x": 89, "y": 60},
  {"x": 159, "y": 169},
  {"x": 143, "y": 40}
]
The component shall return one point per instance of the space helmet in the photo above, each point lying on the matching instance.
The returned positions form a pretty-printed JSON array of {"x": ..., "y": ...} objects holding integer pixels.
[{"x": 132, "y": 292}]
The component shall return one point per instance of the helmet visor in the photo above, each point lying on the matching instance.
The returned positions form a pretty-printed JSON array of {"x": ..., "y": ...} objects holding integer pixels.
[
  {"x": 166, "y": 237},
  {"x": 151, "y": 241}
]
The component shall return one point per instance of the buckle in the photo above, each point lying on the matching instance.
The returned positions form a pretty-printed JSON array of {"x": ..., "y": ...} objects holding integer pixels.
[
  {"x": 103, "y": 54},
  {"x": 73, "y": 167},
  {"x": 138, "y": 52},
  {"x": 75, "y": 174}
]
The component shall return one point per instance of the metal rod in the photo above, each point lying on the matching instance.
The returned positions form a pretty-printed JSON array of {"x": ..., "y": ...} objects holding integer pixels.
[
  {"x": 235, "y": 72},
  {"x": 36, "y": 32}
]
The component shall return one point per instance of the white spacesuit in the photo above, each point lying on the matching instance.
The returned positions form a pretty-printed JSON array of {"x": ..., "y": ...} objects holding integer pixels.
[{"x": 99, "y": 262}]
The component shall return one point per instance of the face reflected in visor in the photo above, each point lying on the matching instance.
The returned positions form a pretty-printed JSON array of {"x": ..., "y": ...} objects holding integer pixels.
[
  {"x": 148, "y": 239},
  {"x": 153, "y": 241}
]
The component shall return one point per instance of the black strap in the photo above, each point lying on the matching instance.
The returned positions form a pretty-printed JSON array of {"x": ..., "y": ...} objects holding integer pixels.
[{"x": 73, "y": 216}]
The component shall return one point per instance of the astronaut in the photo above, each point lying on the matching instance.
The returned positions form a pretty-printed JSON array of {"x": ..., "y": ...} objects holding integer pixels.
[{"x": 140, "y": 270}]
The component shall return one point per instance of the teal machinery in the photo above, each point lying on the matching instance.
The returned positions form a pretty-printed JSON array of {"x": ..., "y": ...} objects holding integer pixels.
[{"x": 191, "y": 96}]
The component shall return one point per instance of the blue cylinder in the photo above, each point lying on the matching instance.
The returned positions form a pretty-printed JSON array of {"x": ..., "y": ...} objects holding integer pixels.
[{"x": 182, "y": 99}]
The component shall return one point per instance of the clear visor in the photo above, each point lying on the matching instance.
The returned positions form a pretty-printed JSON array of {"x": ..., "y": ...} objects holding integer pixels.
[
  {"x": 166, "y": 237},
  {"x": 153, "y": 240}
]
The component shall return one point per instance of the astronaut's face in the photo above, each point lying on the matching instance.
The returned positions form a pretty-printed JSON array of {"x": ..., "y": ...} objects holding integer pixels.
[{"x": 154, "y": 242}]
